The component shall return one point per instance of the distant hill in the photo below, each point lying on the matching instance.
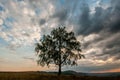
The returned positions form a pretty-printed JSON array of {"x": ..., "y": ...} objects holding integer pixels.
[
  {"x": 74, "y": 73},
  {"x": 69, "y": 72}
]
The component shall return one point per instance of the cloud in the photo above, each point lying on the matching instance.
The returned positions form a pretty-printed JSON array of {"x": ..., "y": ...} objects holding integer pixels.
[
  {"x": 28, "y": 58},
  {"x": 102, "y": 19},
  {"x": 84, "y": 20},
  {"x": 61, "y": 15},
  {"x": 104, "y": 42},
  {"x": 1, "y": 22},
  {"x": 42, "y": 21},
  {"x": 18, "y": 26}
]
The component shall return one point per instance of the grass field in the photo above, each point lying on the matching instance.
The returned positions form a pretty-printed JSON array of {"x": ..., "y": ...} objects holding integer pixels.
[{"x": 45, "y": 76}]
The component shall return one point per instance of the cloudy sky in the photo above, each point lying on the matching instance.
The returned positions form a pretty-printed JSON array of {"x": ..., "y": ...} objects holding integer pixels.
[{"x": 96, "y": 24}]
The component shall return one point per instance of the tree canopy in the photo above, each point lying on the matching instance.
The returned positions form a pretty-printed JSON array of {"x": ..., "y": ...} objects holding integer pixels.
[{"x": 59, "y": 47}]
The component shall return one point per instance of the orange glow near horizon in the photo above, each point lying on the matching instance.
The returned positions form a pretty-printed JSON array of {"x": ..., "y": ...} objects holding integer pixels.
[
  {"x": 108, "y": 71},
  {"x": 36, "y": 68}
]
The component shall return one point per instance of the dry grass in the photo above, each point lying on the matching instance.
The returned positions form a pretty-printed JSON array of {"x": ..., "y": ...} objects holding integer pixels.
[{"x": 45, "y": 76}]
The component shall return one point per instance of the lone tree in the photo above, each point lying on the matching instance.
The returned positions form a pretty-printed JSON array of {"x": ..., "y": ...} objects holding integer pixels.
[{"x": 59, "y": 48}]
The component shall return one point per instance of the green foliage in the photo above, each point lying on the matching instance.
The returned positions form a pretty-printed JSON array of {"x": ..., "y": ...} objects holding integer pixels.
[{"x": 60, "y": 47}]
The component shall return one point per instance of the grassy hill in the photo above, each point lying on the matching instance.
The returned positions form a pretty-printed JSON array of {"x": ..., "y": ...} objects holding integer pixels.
[{"x": 51, "y": 76}]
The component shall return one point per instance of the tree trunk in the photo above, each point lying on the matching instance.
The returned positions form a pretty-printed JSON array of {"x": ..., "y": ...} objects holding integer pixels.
[{"x": 59, "y": 71}]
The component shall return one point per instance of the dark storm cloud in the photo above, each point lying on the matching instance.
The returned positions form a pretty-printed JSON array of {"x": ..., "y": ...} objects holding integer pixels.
[
  {"x": 61, "y": 15},
  {"x": 84, "y": 20},
  {"x": 42, "y": 21},
  {"x": 108, "y": 19},
  {"x": 115, "y": 16},
  {"x": 108, "y": 43},
  {"x": 112, "y": 48},
  {"x": 90, "y": 24}
]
